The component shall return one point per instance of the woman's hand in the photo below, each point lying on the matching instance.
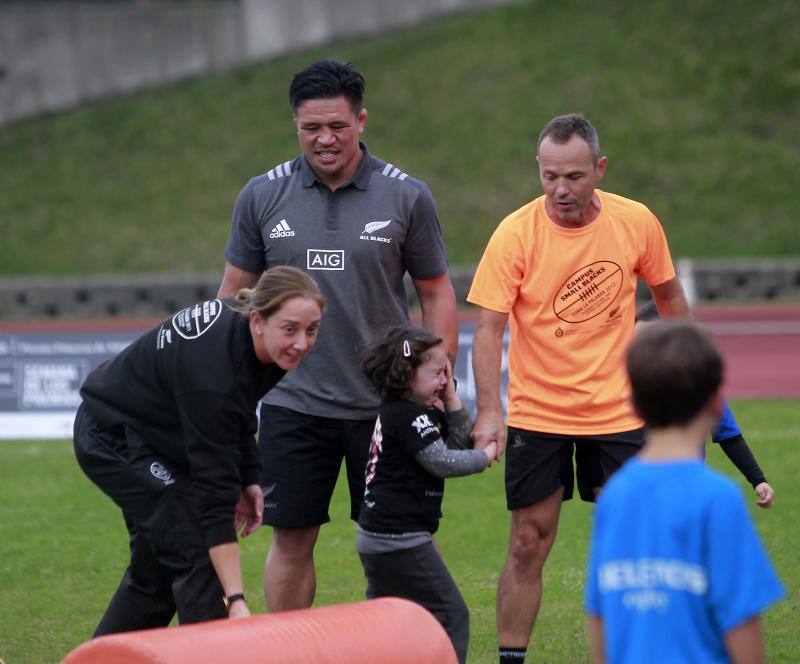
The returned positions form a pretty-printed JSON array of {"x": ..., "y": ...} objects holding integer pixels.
[
  {"x": 249, "y": 510},
  {"x": 238, "y": 610}
]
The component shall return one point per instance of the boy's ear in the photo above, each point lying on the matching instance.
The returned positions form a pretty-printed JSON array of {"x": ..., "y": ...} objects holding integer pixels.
[{"x": 716, "y": 404}]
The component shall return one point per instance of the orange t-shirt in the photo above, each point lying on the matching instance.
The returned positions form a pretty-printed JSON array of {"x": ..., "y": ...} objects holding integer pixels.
[{"x": 571, "y": 296}]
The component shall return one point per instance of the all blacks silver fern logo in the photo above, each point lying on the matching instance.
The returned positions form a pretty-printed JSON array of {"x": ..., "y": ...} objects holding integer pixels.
[{"x": 159, "y": 472}]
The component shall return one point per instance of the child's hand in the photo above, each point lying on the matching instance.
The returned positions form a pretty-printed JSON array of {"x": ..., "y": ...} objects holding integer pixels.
[
  {"x": 448, "y": 395},
  {"x": 491, "y": 452},
  {"x": 765, "y": 494}
]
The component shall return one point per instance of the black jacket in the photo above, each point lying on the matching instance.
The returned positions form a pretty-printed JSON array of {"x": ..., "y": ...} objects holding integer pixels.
[{"x": 188, "y": 389}]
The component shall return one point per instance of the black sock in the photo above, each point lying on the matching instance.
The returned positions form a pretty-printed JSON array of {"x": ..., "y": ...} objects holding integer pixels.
[{"x": 512, "y": 655}]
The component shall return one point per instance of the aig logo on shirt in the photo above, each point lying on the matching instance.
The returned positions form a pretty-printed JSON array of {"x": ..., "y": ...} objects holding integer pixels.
[{"x": 325, "y": 259}]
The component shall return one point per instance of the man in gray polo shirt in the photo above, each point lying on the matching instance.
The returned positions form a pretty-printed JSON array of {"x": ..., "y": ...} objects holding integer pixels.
[{"x": 356, "y": 224}]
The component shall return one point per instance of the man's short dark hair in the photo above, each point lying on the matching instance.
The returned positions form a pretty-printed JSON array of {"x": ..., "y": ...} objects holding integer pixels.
[
  {"x": 326, "y": 79},
  {"x": 674, "y": 369},
  {"x": 563, "y": 127}
]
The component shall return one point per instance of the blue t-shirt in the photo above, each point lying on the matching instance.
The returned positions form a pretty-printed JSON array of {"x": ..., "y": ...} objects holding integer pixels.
[
  {"x": 675, "y": 564},
  {"x": 726, "y": 427}
]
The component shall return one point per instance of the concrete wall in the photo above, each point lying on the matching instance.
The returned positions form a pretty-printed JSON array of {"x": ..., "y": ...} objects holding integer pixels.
[
  {"x": 160, "y": 295},
  {"x": 56, "y": 55}
]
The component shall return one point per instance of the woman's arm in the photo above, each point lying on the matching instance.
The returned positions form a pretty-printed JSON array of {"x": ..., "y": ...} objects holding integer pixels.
[{"x": 225, "y": 559}]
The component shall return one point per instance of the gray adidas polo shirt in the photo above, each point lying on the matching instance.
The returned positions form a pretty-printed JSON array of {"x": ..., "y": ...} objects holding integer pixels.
[{"x": 357, "y": 243}]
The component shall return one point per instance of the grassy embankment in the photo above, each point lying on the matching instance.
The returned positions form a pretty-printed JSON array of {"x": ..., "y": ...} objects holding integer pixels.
[{"x": 696, "y": 104}]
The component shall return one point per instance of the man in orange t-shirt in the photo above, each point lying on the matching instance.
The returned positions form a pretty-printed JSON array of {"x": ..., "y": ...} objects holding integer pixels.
[{"x": 562, "y": 272}]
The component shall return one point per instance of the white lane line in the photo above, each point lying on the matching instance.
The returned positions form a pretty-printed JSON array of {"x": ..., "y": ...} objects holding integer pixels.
[{"x": 760, "y": 327}]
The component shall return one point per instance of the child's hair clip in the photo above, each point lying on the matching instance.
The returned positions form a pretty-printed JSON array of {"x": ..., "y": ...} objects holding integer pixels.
[{"x": 406, "y": 348}]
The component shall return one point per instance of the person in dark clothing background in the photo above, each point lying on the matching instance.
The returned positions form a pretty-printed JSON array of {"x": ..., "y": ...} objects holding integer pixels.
[
  {"x": 167, "y": 430},
  {"x": 727, "y": 432}
]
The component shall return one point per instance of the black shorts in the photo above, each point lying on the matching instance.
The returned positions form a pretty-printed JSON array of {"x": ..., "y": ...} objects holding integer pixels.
[
  {"x": 302, "y": 455},
  {"x": 538, "y": 464}
]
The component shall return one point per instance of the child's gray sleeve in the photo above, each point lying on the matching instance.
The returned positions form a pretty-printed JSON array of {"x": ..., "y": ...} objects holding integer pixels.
[
  {"x": 459, "y": 423},
  {"x": 441, "y": 461}
]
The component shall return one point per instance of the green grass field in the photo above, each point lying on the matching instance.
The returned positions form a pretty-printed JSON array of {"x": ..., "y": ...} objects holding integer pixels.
[
  {"x": 696, "y": 102},
  {"x": 63, "y": 548}
]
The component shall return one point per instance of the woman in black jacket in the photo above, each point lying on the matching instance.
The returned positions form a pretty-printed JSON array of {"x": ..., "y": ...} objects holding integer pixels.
[{"x": 166, "y": 429}]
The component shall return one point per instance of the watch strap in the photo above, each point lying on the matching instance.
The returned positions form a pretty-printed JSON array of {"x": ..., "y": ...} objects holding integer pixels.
[{"x": 230, "y": 599}]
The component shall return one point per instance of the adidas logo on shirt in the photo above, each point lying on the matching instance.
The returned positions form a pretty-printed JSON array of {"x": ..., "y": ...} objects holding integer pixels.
[
  {"x": 391, "y": 171},
  {"x": 281, "y": 230}
]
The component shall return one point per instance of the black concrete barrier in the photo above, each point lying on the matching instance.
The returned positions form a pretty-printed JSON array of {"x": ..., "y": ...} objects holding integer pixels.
[{"x": 159, "y": 295}]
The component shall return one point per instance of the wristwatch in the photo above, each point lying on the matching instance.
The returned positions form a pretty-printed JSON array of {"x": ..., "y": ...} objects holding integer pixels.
[{"x": 230, "y": 599}]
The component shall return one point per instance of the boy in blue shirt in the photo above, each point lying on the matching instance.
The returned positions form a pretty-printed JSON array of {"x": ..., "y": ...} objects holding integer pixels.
[
  {"x": 672, "y": 538},
  {"x": 726, "y": 433}
]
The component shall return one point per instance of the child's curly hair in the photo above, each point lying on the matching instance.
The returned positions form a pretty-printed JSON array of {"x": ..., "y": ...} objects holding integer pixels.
[{"x": 390, "y": 359}]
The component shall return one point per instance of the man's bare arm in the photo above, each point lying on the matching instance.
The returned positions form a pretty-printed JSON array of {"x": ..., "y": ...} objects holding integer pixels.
[
  {"x": 487, "y": 355},
  {"x": 437, "y": 300},
  {"x": 234, "y": 279},
  {"x": 670, "y": 300}
]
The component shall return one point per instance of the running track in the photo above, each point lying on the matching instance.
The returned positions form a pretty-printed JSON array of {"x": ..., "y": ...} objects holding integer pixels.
[{"x": 761, "y": 344}]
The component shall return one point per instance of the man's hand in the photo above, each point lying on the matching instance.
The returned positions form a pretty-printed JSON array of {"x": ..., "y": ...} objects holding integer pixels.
[
  {"x": 249, "y": 511},
  {"x": 490, "y": 428},
  {"x": 487, "y": 354}
]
